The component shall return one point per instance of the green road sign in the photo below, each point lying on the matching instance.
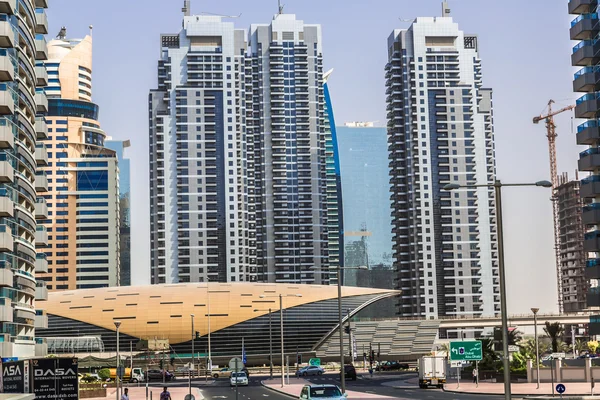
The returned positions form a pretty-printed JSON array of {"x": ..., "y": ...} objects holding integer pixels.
[
  {"x": 466, "y": 351},
  {"x": 315, "y": 362}
]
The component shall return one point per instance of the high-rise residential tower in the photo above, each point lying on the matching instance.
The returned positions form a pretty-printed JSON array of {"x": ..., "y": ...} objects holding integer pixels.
[
  {"x": 440, "y": 129},
  {"x": 238, "y": 179},
  {"x": 22, "y": 105},
  {"x": 83, "y": 196}
]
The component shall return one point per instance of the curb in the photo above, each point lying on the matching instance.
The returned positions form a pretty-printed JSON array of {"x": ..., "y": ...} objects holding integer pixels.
[
  {"x": 521, "y": 395},
  {"x": 277, "y": 390}
]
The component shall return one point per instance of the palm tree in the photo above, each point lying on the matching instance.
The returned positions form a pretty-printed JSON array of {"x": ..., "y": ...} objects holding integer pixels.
[
  {"x": 514, "y": 336},
  {"x": 555, "y": 332},
  {"x": 580, "y": 346}
]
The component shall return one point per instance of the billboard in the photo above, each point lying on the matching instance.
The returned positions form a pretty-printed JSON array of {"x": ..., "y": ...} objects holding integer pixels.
[
  {"x": 15, "y": 377},
  {"x": 55, "y": 378}
]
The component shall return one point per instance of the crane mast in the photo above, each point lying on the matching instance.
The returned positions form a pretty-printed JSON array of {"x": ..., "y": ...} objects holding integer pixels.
[{"x": 551, "y": 135}]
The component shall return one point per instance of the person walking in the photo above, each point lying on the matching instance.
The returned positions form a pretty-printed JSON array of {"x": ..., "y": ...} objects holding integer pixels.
[
  {"x": 475, "y": 376},
  {"x": 125, "y": 395},
  {"x": 165, "y": 395}
]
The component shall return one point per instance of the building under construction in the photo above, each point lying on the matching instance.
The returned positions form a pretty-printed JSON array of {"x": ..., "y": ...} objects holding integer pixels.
[{"x": 571, "y": 254}]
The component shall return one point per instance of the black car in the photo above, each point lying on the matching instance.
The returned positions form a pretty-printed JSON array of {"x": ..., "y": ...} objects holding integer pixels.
[
  {"x": 157, "y": 375},
  {"x": 350, "y": 372}
]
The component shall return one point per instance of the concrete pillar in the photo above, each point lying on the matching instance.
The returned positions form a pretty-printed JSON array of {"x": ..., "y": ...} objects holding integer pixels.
[
  {"x": 588, "y": 369},
  {"x": 529, "y": 371}
]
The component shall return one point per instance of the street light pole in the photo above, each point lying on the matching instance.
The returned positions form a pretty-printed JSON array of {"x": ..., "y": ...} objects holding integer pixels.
[
  {"x": 117, "y": 325},
  {"x": 209, "y": 366},
  {"x": 537, "y": 346},
  {"x": 270, "y": 347},
  {"x": 191, "y": 369},
  {"x": 341, "y": 330},
  {"x": 281, "y": 332}
]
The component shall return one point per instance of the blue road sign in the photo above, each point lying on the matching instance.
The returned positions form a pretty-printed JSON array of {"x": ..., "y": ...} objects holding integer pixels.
[{"x": 560, "y": 388}]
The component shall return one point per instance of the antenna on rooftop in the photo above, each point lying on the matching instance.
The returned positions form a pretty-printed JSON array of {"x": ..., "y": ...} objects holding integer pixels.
[
  {"x": 186, "y": 8},
  {"x": 280, "y": 7},
  {"x": 62, "y": 34},
  {"x": 445, "y": 9},
  {"x": 91, "y": 28}
]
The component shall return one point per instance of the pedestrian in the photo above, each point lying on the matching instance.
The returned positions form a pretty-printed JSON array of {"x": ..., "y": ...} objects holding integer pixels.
[
  {"x": 475, "y": 375},
  {"x": 371, "y": 371},
  {"x": 125, "y": 396},
  {"x": 165, "y": 395}
]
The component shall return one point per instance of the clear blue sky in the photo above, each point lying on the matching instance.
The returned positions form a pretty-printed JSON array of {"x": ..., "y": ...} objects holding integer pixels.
[{"x": 524, "y": 46}]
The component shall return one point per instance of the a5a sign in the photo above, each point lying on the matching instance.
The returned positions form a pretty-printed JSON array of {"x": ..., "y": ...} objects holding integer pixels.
[
  {"x": 15, "y": 377},
  {"x": 55, "y": 378}
]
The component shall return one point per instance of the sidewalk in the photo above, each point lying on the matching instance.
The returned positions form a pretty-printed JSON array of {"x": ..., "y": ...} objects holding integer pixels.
[
  {"x": 296, "y": 385},
  {"x": 139, "y": 393},
  {"x": 573, "y": 388}
]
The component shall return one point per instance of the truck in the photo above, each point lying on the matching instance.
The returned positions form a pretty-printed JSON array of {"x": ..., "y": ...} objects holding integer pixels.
[
  {"x": 432, "y": 371},
  {"x": 132, "y": 375}
]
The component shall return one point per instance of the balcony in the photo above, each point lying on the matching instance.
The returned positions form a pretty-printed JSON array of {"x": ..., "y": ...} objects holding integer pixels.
[
  {"x": 8, "y": 6},
  {"x": 588, "y": 133},
  {"x": 589, "y": 159},
  {"x": 590, "y": 187},
  {"x": 7, "y": 137},
  {"x": 41, "y": 21},
  {"x": 591, "y": 242},
  {"x": 7, "y": 34},
  {"x": 41, "y": 347},
  {"x": 6, "y": 275},
  {"x": 585, "y": 26},
  {"x": 41, "y": 155},
  {"x": 7, "y": 102},
  {"x": 41, "y": 208},
  {"x": 7, "y": 206},
  {"x": 7, "y": 173},
  {"x": 587, "y": 105},
  {"x": 584, "y": 53},
  {"x": 6, "y": 310},
  {"x": 587, "y": 80},
  {"x": 41, "y": 48},
  {"x": 41, "y": 236},
  {"x": 41, "y": 263},
  {"x": 42, "y": 75},
  {"x": 24, "y": 310},
  {"x": 6, "y": 238},
  {"x": 41, "y": 102},
  {"x": 41, "y": 182},
  {"x": 41, "y": 291},
  {"x": 41, "y": 129},
  {"x": 591, "y": 214},
  {"x": 593, "y": 297},
  {"x": 582, "y": 6},
  {"x": 41, "y": 319},
  {"x": 592, "y": 268},
  {"x": 41, "y": 3},
  {"x": 7, "y": 69}
]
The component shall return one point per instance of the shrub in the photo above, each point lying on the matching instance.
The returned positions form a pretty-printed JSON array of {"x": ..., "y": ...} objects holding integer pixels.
[{"x": 104, "y": 374}]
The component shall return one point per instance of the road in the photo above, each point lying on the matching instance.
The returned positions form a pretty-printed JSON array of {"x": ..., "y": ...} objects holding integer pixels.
[{"x": 391, "y": 384}]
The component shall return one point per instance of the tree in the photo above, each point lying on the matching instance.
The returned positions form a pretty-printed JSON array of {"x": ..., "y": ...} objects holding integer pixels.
[
  {"x": 514, "y": 336},
  {"x": 592, "y": 346},
  {"x": 555, "y": 332},
  {"x": 490, "y": 358},
  {"x": 580, "y": 346},
  {"x": 104, "y": 374}
]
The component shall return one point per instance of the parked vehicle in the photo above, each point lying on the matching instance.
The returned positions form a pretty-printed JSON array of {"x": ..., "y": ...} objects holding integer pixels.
[
  {"x": 222, "y": 373},
  {"x": 157, "y": 375},
  {"x": 330, "y": 392},
  {"x": 392, "y": 366},
  {"x": 310, "y": 370},
  {"x": 129, "y": 375},
  {"x": 240, "y": 377},
  {"x": 350, "y": 372},
  {"x": 432, "y": 372}
]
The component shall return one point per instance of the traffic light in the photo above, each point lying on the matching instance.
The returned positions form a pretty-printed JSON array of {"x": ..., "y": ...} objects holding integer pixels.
[
  {"x": 197, "y": 335},
  {"x": 299, "y": 359},
  {"x": 347, "y": 329}
]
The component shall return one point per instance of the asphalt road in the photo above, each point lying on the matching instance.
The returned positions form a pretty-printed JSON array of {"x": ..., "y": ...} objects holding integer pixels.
[{"x": 392, "y": 385}]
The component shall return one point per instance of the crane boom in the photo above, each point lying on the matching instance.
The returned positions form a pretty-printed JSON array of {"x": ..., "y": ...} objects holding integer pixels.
[{"x": 551, "y": 135}]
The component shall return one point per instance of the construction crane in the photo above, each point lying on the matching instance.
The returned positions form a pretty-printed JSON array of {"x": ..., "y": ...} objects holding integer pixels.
[{"x": 551, "y": 135}]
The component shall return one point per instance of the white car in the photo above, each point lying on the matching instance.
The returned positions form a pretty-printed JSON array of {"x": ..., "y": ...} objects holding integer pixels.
[
  {"x": 314, "y": 392},
  {"x": 238, "y": 377}
]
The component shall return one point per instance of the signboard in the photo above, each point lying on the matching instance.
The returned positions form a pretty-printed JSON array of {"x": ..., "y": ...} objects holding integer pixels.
[
  {"x": 513, "y": 349},
  {"x": 315, "y": 362},
  {"x": 13, "y": 377},
  {"x": 560, "y": 388},
  {"x": 556, "y": 356},
  {"x": 120, "y": 371},
  {"x": 236, "y": 364},
  {"x": 466, "y": 351},
  {"x": 457, "y": 364},
  {"x": 55, "y": 378}
]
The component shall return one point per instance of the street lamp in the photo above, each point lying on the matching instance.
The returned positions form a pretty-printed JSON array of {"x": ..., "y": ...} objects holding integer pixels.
[
  {"x": 535, "y": 310},
  {"x": 209, "y": 362},
  {"x": 117, "y": 325},
  {"x": 270, "y": 344},
  {"x": 262, "y": 296},
  {"x": 340, "y": 318},
  {"x": 497, "y": 185},
  {"x": 191, "y": 369}
]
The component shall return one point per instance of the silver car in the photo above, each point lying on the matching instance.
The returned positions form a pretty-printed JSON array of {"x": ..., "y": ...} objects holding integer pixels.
[{"x": 310, "y": 370}]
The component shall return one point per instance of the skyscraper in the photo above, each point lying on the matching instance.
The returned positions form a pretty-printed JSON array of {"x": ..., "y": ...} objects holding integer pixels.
[
  {"x": 238, "y": 179},
  {"x": 83, "y": 191},
  {"x": 440, "y": 129},
  {"x": 119, "y": 147}
]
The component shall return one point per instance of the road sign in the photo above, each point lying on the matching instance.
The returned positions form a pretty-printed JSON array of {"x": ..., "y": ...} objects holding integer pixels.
[
  {"x": 457, "y": 364},
  {"x": 513, "y": 348},
  {"x": 236, "y": 364},
  {"x": 315, "y": 362},
  {"x": 560, "y": 388},
  {"x": 556, "y": 356},
  {"x": 466, "y": 351}
]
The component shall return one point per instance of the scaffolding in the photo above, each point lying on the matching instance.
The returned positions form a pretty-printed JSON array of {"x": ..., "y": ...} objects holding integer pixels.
[{"x": 72, "y": 345}]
